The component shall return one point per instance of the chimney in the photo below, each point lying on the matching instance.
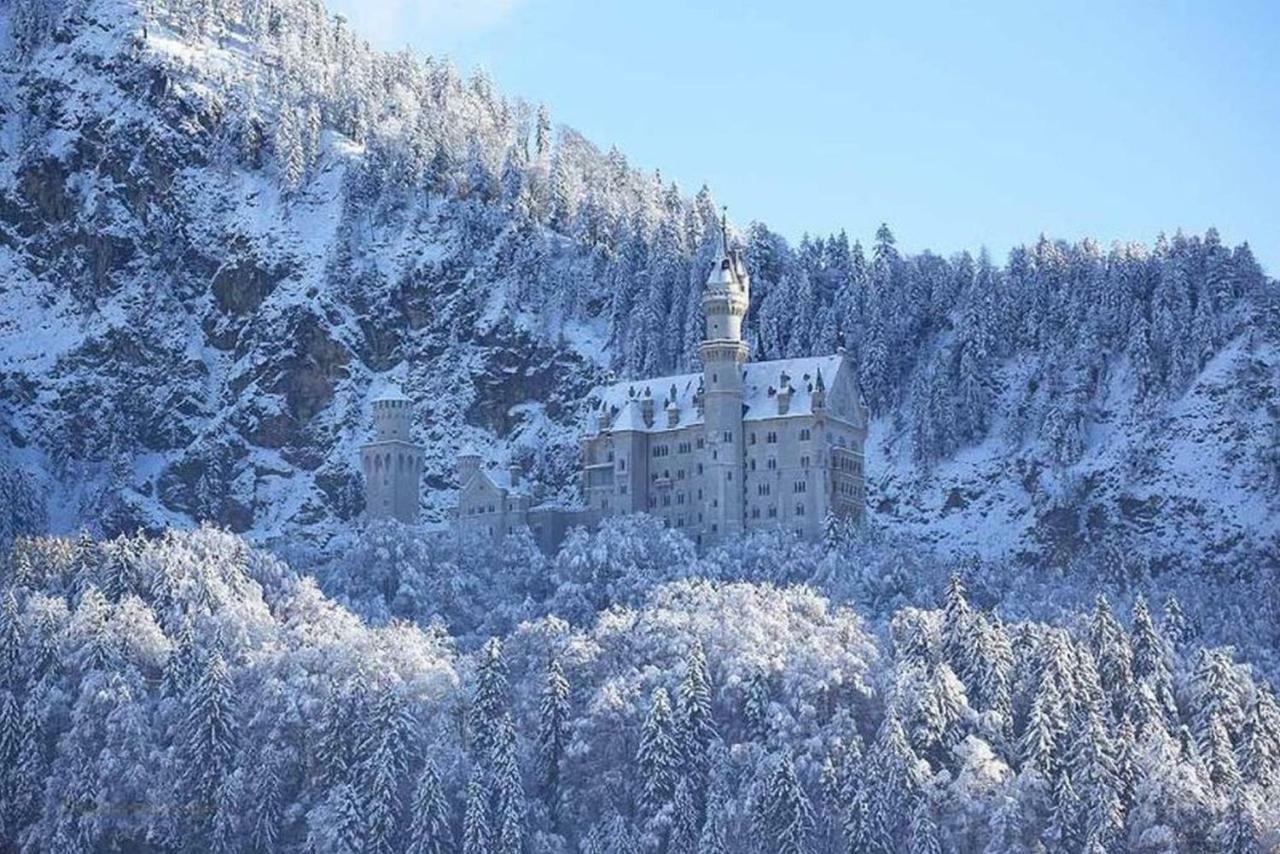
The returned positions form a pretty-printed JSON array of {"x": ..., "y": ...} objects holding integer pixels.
[
  {"x": 646, "y": 407},
  {"x": 784, "y": 399},
  {"x": 513, "y": 470}
]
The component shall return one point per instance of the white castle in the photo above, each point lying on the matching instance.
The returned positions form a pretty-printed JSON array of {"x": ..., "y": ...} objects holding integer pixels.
[{"x": 737, "y": 446}]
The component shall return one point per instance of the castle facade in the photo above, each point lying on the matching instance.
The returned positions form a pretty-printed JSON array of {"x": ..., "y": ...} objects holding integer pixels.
[{"x": 737, "y": 446}]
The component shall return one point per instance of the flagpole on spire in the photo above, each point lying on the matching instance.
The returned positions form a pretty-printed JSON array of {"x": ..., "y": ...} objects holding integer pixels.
[{"x": 724, "y": 228}]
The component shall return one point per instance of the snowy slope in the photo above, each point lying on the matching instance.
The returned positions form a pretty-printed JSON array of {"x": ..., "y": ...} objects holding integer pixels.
[{"x": 217, "y": 239}]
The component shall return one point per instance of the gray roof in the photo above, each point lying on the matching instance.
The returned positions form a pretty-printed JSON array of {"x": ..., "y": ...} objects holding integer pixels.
[{"x": 623, "y": 400}]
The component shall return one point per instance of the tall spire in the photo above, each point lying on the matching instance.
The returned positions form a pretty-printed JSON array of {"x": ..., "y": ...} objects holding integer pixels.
[{"x": 724, "y": 229}]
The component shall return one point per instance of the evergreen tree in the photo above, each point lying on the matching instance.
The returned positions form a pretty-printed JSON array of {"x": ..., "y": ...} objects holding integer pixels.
[
  {"x": 789, "y": 810},
  {"x": 553, "y": 733},
  {"x": 684, "y": 820},
  {"x": 696, "y": 726},
  {"x": 924, "y": 830},
  {"x": 756, "y": 707},
  {"x": 429, "y": 830},
  {"x": 266, "y": 805},
  {"x": 510, "y": 804},
  {"x": 211, "y": 734},
  {"x": 489, "y": 702},
  {"x": 658, "y": 755},
  {"x": 715, "y": 832},
  {"x": 475, "y": 822}
]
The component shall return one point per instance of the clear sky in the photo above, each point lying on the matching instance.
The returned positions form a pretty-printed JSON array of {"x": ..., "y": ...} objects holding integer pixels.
[{"x": 960, "y": 127}]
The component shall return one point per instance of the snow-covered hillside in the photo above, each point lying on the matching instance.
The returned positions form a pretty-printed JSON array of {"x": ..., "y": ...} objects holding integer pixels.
[{"x": 223, "y": 223}]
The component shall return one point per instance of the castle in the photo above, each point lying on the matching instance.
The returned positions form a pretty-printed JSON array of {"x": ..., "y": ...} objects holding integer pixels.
[
  {"x": 737, "y": 446},
  {"x": 392, "y": 463}
]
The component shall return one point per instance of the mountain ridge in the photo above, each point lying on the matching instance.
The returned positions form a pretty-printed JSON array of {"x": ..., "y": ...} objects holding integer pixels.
[{"x": 229, "y": 220}]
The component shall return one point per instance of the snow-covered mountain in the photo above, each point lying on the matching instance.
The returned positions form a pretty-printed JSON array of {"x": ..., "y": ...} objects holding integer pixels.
[{"x": 223, "y": 223}]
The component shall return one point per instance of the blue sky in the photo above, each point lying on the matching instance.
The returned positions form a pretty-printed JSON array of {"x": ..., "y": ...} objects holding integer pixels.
[{"x": 959, "y": 128}]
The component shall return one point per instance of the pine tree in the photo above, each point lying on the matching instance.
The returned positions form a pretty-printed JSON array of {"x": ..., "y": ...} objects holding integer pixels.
[
  {"x": 553, "y": 733},
  {"x": 715, "y": 831},
  {"x": 696, "y": 727},
  {"x": 475, "y": 822},
  {"x": 266, "y": 805},
  {"x": 1111, "y": 648},
  {"x": 756, "y": 707},
  {"x": 924, "y": 830},
  {"x": 10, "y": 642},
  {"x": 658, "y": 755},
  {"x": 489, "y": 702},
  {"x": 1151, "y": 658},
  {"x": 790, "y": 815},
  {"x": 510, "y": 803},
  {"x": 957, "y": 629},
  {"x": 1239, "y": 832},
  {"x": 1260, "y": 751},
  {"x": 429, "y": 830},
  {"x": 684, "y": 820},
  {"x": 211, "y": 733},
  {"x": 12, "y": 737}
]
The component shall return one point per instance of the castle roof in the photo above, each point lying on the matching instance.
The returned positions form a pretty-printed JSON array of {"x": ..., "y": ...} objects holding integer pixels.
[{"x": 763, "y": 380}]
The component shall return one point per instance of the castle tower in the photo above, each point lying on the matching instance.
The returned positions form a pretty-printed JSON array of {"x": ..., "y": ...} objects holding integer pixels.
[
  {"x": 723, "y": 354},
  {"x": 392, "y": 463}
]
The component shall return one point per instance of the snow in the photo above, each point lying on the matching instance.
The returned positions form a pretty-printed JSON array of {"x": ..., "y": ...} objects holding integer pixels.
[{"x": 761, "y": 384}]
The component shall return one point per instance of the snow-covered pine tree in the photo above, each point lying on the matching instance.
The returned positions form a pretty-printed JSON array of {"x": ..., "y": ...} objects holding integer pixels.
[
  {"x": 658, "y": 755},
  {"x": 924, "y": 837},
  {"x": 476, "y": 835},
  {"x": 790, "y": 814},
  {"x": 266, "y": 805},
  {"x": 685, "y": 823},
  {"x": 509, "y": 803},
  {"x": 210, "y": 735},
  {"x": 1114, "y": 656},
  {"x": 553, "y": 733},
  {"x": 489, "y": 703},
  {"x": 756, "y": 707},
  {"x": 696, "y": 729},
  {"x": 429, "y": 829},
  {"x": 1151, "y": 658}
]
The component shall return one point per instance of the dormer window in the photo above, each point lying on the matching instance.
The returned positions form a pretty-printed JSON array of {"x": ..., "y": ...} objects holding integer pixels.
[{"x": 724, "y": 264}]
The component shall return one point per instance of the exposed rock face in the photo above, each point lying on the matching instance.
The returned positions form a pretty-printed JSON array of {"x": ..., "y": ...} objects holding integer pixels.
[{"x": 181, "y": 338}]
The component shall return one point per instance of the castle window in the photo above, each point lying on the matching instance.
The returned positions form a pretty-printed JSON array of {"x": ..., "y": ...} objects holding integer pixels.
[
  {"x": 622, "y": 490},
  {"x": 701, "y": 443},
  {"x": 753, "y": 464},
  {"x": 799, "y": 509},
  {"x": 773, "y": 512},
  {"x": 804, "y": 434},
  {"x": 762, "y": 489},
  {"x": 772, "y": 463},
  {"x": 611, "y": 456},
  {"x": 622, "y": 465},
  {"x": 804, "y": 462},
  {"x": 801, "y": 486},
  {"x": 728, "y": 437},
  {"x": 728, "y": 475},
  {"x": 679, "y": 474},
  {"x": 680, "y": 498},
  {"x": 753, "y": 438},
  {"x": 699, "y": 468},
  {"x": 771, "y": 437},
  {"x": 699, "y": 498},
  {"x": 666, "y": 500},
  {"x": 755, "y": 512}
]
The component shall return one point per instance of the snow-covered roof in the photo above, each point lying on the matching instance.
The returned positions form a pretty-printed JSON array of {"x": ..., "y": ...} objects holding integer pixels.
[
  {"x": 623, "y": 401},
  {"x": 501, "y": 478},
  {"x": 389, "y": 391}
]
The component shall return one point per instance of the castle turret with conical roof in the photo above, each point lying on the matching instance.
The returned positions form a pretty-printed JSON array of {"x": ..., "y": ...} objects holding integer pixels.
[{"x": 723, "y": 353}]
